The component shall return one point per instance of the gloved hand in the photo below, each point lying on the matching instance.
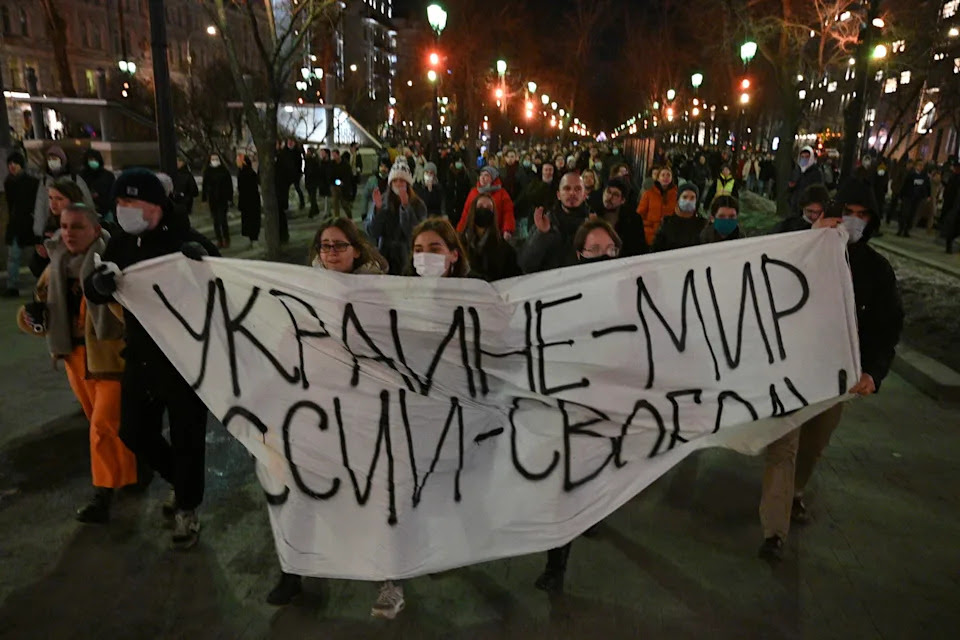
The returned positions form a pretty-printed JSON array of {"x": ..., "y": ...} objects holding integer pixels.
[
  {"x": 194, "y": 251},
  {"x": 105, "y": 276}
]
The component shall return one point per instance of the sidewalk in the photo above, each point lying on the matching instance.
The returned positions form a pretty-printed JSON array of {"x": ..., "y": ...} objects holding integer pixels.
[
  {"x": 920, "y": 246},
  {"x": 678, "y": 561}
]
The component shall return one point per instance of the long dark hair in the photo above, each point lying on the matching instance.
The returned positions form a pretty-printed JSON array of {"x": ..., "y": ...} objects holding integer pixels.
[
  {"x": 365, "y": 251},
  {"x": 448, "y": 234}
]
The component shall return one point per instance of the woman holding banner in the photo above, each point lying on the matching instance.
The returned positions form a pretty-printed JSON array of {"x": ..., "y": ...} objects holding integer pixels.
[
  {"x": 595, "y": 241},
  {"x": 338, "y": 246}
]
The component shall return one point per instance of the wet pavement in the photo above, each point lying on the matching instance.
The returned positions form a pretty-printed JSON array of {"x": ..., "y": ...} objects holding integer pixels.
[{"x": 880, "y": 559}]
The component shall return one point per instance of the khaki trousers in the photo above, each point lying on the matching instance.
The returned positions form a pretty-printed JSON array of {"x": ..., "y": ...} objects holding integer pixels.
[{"x": 789, "y": 465}]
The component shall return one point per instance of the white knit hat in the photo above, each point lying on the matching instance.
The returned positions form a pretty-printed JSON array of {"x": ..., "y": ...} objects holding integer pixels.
[{"x": 400, "y": 170}]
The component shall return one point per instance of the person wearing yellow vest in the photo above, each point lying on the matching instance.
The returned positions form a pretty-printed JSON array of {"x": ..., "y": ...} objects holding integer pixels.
[
  {"x": 89, "y": 340},
  {"x": 725, "y": 185}
]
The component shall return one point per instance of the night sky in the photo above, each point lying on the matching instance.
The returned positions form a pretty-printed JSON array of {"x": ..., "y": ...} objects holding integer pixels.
[{"x": 601, "y": 101}]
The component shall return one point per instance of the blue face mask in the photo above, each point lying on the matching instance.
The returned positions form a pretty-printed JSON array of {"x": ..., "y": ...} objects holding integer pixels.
[{"x": 725, "y": 226}]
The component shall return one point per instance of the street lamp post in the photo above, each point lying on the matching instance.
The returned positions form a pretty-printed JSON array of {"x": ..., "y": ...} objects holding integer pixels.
[
  {"x": 747, "y": 52},
  {"x": 696, "y": 80},
  {"x": 437, "y": 17}
]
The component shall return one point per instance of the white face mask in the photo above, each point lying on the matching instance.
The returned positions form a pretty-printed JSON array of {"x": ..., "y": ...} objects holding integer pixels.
[
  {"x": 430, "y": 265},
  {"x": 54, "y": 164},
  {"x": 131, "y": 220},
  {"x": 397, "y": 190},
  {"x": 428, "y": 178},
  {"x": 855, "y": 227}
]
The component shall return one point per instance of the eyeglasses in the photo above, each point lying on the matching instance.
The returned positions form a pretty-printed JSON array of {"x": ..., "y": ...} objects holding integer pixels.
[
  {"x": 596, "y": 251},
  {"x": 336, "y": 247}
]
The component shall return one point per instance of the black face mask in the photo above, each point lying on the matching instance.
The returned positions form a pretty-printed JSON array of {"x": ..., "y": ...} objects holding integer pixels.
[
  {"x": 483, "y": 217},
  {"x": 586, "y": 260}
]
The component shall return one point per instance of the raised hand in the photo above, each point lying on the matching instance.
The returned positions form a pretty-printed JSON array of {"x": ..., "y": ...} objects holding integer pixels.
[{"x": 541, "y": 220}]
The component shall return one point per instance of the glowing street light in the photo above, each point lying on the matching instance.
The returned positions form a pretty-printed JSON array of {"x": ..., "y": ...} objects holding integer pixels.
[
  {"x": 747, "y": 51},
  {"x": 501, "y": 67},
  {"x": 696, "y": 80},
  {"x": 532, "y": 87},
  {"x": 211, "y": 30},
  {"x": 432, "y": 75},
  {"x": 434, "y": 59},
  {"x": 744, "y": 98},
  {"x": 553, "y": 105},
  {"x": 880, "y": 52},
  {"x": 545, "y": 99},
  {"x": 437, "y": 18},
  {"x": 498, "y": 93},
  {"x": 671, "y": 94}
]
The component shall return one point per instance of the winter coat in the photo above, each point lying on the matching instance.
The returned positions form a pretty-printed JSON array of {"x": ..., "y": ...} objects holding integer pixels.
[
  {"x": 104, "y": 350},
  {"x": 311, "y": 171},
  {"x": 554, "y": 248},
  {"x": 656, "y": 203},
  {"x": 709, "y": 234},
  {"x": 629, "y": 226},
  {"x": 217, "y": 187},
  {"x": 678, "y": 232},
  {"x": 801, "y": 180},
  {"x": 432, "y": 198},
  {"x": 514, "y": 179},
  {"x": 793, "y": 223},
  {"x": 536, "y": 194},
  {"x": 879, "y": 310},
  {"x": 391, "y": 230},
  {"x": 184, "y": 189},
  {"x": 99, "y": 181},
  {"x": 125, "y": 249},
  {"x": 341, "y": 171},
  {"x": 490, "y": 257},
  {"x": 21, "y": 194},
  {"x": 290, "y": 164},
  {"x": 501, "y": 200},
  {"x": 248, "y": 201},
  {"x": 458, "y": 188},
  {"x": 916, "y": 187}
]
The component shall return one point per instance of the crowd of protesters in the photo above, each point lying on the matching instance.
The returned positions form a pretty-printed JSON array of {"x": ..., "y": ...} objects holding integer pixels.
[{"x": 464, "y": 215}]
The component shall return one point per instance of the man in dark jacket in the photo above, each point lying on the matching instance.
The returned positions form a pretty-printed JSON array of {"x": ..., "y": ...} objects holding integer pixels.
[
  {"x": 458, "y": 187},
  {"x": 685, "y": 226},
  {"x": 99, "y": 180},
  {"x": 551, "y": 244},
  {"x": 791, "y": 459},
  {"x": 151, "y": 384},
  {"x": 813, "y": 203},
  {"x": 218, "y": 194},
  {"x": 21, "y": 190},
  {"x": 627, "y": 224},
  {"x": 916, "y": 189},
  {"x": 291, "y": 166},
  {"x": 538, "y": 193},
  {"x": 184, "y": 187},
  {"x": 311, "y": 179}
]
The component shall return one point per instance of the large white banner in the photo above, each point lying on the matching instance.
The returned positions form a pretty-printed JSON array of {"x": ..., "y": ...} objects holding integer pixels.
[{"x": 409, "y": 425}]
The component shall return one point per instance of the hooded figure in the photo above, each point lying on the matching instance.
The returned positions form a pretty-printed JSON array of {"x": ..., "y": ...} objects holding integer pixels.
[
  {"x": 489, "y": 184},
  {"x": 98, "y": 179},
  {"x": 805, "y": 173}
]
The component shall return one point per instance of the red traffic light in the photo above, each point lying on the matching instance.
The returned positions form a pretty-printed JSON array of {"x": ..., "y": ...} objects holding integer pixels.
[
  {"x": 745, "y": 83},
  {"x": 434, "y": 58}
]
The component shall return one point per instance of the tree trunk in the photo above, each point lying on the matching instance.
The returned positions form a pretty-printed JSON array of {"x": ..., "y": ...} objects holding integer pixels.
[{"x": 266, "y": 148}]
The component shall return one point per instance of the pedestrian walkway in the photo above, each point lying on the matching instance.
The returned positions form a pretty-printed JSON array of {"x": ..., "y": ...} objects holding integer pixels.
[
  {"x": 879, "y": 559},
  {"x": 921, "y": 246}
]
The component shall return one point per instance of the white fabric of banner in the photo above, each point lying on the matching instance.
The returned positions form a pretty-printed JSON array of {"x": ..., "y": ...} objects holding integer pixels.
[{"x": 404, "y": 426}]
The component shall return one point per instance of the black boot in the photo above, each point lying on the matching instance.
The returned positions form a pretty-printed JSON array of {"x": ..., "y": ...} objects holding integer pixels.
[
  {"x": 286, "y": 590},
  {"x": 551, "y": 580},
  {"x": 772, "y": 549},
  {"x": 97, "y": 511}
]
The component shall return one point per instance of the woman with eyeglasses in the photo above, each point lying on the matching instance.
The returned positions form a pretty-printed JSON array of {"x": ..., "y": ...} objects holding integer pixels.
[
  {"x": 595, "y": 241},
  {"x": 339, "y": 246}
]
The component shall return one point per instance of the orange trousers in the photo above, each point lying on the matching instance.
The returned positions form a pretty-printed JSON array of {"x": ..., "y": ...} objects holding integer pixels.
[{"x": 112, "y": 464}]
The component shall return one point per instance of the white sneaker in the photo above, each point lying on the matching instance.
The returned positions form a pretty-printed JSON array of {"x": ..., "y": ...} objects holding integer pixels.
[
  {"x": 390, "y": 601},
  {"x": 186, "y": 530}
]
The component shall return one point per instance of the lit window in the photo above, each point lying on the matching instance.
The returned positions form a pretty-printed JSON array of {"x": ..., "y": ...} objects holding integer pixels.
[
  {"x": 890, "y": 86},
  {"x": 832, "y": 87},
  {"x": 905, "y": 77},
  {"x": 898, "y": 46},
  {"x": 879, "y": 76},
  {"x": 950, "y": 8}
]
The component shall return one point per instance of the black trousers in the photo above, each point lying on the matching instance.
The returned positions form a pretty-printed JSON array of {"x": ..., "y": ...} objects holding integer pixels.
[
  {"x": 221, "y": 228},
  {"x": 145, "y": 393}
]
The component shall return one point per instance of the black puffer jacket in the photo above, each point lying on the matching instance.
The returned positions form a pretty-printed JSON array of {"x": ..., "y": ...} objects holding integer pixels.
[
  {"x": 879, "y": 310},
  {"x": 677, "y": 232},
  {"x": 125, "y": 249}
]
